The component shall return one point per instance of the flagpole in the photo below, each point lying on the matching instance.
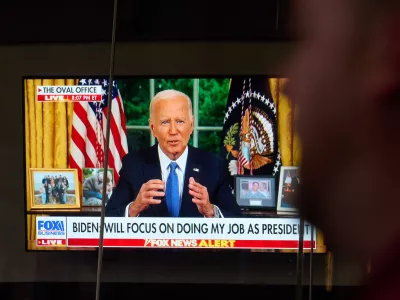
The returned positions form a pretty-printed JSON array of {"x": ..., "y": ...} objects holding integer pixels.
[{"x": 106, "y": 149}]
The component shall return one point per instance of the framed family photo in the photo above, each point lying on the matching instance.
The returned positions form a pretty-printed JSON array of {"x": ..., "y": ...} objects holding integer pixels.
[
  {"x": 92, "y": 186},
  {"x": 289, "y": 184},
  {"x": 54, "y": 189},
  {"x": 255, "y": 191}
]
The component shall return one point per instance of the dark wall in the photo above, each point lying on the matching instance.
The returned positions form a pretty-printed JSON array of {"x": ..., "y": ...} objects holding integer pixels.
[
  {"x": 143, "y": 20},
  {"x": 16, "y": 265}
]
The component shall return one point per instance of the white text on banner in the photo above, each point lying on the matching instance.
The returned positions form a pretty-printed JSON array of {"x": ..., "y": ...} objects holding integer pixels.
[{"x": 254, "y": 233}]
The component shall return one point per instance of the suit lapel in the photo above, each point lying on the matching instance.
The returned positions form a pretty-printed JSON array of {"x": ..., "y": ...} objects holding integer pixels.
[
  {"x": 152, "y": 170},
  {"x": 193, "y": 169}
]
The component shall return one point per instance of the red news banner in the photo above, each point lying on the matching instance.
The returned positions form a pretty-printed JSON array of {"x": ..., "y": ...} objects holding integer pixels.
[
  {"x": 254, "y": 233},
  {"x": 70, "y": 93}
]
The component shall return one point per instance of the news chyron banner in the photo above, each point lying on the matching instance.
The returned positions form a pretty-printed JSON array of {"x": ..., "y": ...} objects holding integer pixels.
[
  {"x": 93, "y": 93},
  {"x": 257, "y": 233}
]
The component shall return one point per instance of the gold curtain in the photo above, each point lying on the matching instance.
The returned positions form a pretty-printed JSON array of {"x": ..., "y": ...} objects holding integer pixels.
[
  {"x": 48, "y": 130},
  {"x": 290, "y": 149},
  {"x": 288, "y": 139}
]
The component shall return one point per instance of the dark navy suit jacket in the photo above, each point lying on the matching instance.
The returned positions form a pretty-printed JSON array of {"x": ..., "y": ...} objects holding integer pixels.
[{"x": 206, "y": 168}]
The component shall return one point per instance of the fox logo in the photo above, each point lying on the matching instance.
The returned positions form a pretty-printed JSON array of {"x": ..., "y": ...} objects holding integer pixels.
[
  {"x": 170, "y": 243},
  {"x": 156, "y": 243}
]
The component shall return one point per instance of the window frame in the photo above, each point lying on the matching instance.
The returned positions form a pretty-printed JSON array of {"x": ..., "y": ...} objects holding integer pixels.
[{"x": 196, "y": 127}]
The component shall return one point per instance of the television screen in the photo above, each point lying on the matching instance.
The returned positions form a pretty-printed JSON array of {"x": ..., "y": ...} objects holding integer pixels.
[{"x": 176, "y": 146}]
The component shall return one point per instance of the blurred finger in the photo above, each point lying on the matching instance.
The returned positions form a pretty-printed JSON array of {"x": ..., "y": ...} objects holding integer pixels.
[
  {"x": 155, "y": 181},
  {"x": 198, "y": 201},
  {"x": 152, "y": 201},
  {"x": 196, "y": 184},
  {"x": 195, "y": 187},
  {"x": 150, "y": 194},
  {"x": 195, "y": 194},
  {"x": 154, "y": 186}
]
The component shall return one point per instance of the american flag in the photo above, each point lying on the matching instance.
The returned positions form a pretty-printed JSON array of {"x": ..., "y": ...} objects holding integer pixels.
[
  {"x": 242, "y": 161},
  {"x": 88, "y": 134}
]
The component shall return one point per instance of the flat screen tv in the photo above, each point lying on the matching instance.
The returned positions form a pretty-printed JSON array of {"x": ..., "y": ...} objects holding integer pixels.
[{"x": 167, "y": 175}]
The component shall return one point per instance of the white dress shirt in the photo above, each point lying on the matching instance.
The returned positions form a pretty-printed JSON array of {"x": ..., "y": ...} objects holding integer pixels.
[{"x": 180, "y": 171}]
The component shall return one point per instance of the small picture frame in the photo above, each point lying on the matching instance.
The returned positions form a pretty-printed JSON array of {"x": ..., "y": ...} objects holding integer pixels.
[
  {"x": 92, "y": 186},
  {"x": 255, "y": 191},
  {"x": 54, "y": 189},
  {"x": 289, "y": 183}
]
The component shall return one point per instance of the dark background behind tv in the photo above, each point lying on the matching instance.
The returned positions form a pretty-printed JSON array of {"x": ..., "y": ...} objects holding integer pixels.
[
  {"x": 36, "y": 40},
  {"x": 23, "y": 21}
]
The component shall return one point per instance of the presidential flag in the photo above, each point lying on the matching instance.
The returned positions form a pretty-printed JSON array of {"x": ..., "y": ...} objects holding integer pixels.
[
  {"x": 249, "y": 136},
  {"x": 88, "y": 134}
]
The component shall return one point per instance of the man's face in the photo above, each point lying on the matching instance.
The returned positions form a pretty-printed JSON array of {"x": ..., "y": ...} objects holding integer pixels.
[
  {"x": 336, "y": 126},
  {"x": 255, "y": 187},
  {"x": 172, "y": 124}
]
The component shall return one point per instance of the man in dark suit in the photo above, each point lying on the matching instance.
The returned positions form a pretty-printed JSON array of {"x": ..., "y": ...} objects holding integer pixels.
[
  {"x": 172, "y": 178},
  {"x": 294, "y": 186}
]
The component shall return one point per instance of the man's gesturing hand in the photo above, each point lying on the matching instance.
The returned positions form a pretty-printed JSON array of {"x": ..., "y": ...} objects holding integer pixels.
[
  {"x": 149, "y": 190},
  {"x": 200, "y": 198}
]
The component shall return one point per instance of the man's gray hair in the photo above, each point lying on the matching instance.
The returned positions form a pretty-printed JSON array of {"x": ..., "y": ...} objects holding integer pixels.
[{"x": 169, "y": 94}]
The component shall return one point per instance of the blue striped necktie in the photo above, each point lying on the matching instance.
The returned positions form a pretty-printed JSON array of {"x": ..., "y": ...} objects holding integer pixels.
[{"x": 172, "y": 191}]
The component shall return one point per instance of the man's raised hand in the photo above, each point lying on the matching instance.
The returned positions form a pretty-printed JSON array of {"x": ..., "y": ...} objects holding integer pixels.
[{"x": 153, "y": 188}]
